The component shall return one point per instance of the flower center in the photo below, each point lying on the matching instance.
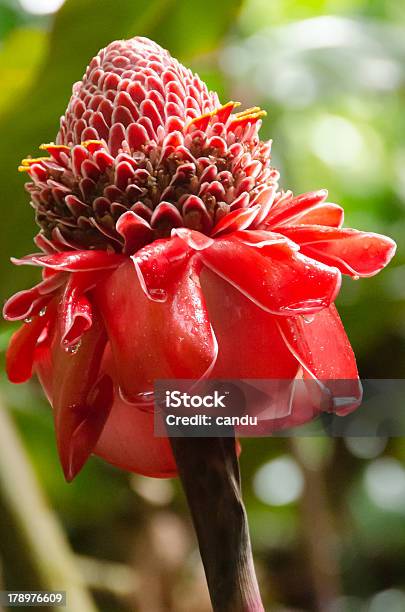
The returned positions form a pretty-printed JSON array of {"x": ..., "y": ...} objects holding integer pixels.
[{"x": 189, "y": 178}]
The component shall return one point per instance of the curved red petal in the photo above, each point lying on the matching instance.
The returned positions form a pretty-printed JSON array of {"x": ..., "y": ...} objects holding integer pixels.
[
  {"x": 238, "y": 219},
  {"x": 329, "y": 214},
  {"x": 195, "y": 240},
  {"x": 167, "y": 337},
  {"x": 195, "y": 214},
  {"x": 249, "y": 342},
  {"x": 275, "y": 276},
  {"x": 21, "y": 350},
  {"x": 45, "y": 244},
  {"x": 81, "y": 399},
  {"x": 76, "y": 310},
  {"x": 135, "y": 231},
  {"x": 353, "y": 252},
  {"x": 24, "y": 304},
  {"x": 157, "y": 265},
  {"x": 265, "y": 199},
  {"x": 288, "y": 208},
  {"x": 324, "y": 351},
  {"x": 127, "y": 439},
  {"x": 128, "y": 442},
  {"x": 31, "y": 301},
  {"x": 72, "y": 261}
]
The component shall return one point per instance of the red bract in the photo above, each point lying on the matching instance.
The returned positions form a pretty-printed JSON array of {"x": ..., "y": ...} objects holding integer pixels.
[{"x": 169, "y": 252}]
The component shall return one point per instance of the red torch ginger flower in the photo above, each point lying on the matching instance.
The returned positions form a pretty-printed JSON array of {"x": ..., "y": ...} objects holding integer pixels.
[{"x": 168, "y": 251}]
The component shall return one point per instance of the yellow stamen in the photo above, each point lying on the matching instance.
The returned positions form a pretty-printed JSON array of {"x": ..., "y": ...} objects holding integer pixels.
[
  {"x": 45, "y": 147},
  {"x": 33, "y": 160},
  {"x": 227, "y": 105},
  {"x": 199, "y": 118},
  {"x": 251, "y": 115},
  {"x": 213, "y": 113},
  {"x": 87, "y": 143},
  {"x": 249, "y": 111},
  {"x": 27, "y": 163}
]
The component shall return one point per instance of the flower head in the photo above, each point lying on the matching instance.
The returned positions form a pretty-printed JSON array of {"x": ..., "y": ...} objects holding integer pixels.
[
  {"x": 143, "y": 148},
  {"x": 168, "y": 251}
]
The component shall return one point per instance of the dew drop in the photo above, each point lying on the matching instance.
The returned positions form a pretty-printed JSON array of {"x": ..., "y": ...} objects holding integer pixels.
[
  {"x": 42, "y": 312},
  {"x": 28, "y": 320},
  {"x": 159, "y": 295},
  {"x": 145, "y": 396},
  {"x": 72, "y": 348},
  {"x": 308, "y": 318}
]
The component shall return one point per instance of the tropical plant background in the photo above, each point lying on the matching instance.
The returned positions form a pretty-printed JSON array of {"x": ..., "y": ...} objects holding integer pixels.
[{"x": 327, "y": 516}]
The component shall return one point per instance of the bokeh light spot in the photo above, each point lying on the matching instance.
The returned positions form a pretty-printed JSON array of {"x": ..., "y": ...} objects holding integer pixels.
[
  {"x": 384, "y": 480},
  {"x": 41, "y": 7},
  {"x": 391, "y": 599},
  {"x": 278, "y": 482}
]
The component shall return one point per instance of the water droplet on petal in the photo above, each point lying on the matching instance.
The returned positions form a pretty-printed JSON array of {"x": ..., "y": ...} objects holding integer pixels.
[
  {"x": 42, "y": 312},
  {"x": 72, "y": 348},
  {"x": 308, "y": 318},
  {"x": 145, "y": 396},
  {"x": 159, "y": 295},
  {"x": 28, "y": 320}
]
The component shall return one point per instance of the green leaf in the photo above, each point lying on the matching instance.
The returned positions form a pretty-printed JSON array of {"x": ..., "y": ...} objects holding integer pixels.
[
  {"x": 20, "y": 56},
  {"x": 10, "y": 17},
  {"x": 80, "y": 29}
]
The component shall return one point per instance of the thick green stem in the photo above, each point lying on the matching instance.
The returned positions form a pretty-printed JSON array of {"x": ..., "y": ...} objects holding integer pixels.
[{"x": 209, "y": 471}]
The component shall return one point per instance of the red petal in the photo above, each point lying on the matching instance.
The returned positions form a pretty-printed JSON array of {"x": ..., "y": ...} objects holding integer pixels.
[
  {"x": 21, "y": 350},
  {"x": 250, "y": 346},
  {"x": 72, "y": 261},
  {"x": 31, "y": 301},
  {"x": 265, "y": 199},
  {"x": 195, "y": 240},
  {"x": 135, "y": 231},
  {"x": 353, "y": 252},
  {"x": 128, "y": 439},
  {"x": 323, "y": 349},
  {"x": 157, "y": 265},
  {"x": 136, "y": 136},
  {"x": 195, "y": 214},
  {"x": 116, "y": 138},
  {"x": 238, "y": 219},
  {"x": 81, "y": 400},
  {"x": 76, "y": 309},
  {"x": 79, "y": 155},
  {"x": 128, "y": 442},
  {"x": 273, "y": 275},
  {"x": 166, "y": 213},
  {"x": 249, "y": 342},
  {"x": 331, "y": 215},
  {"x": 287, "y": 209},
  {"x": 45, "y": 244},
  {"x": 151, "y": 339}
]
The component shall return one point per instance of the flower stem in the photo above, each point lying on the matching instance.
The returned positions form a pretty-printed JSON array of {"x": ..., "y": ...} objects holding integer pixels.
[{"x": 209, "y": 472}]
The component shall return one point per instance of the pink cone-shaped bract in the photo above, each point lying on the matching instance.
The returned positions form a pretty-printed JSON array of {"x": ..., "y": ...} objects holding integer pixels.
[{"x": 168, "y": 251}]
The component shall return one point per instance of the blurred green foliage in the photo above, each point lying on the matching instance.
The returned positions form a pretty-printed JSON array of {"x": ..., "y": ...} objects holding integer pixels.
[{"x": 331, "y": 75}]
